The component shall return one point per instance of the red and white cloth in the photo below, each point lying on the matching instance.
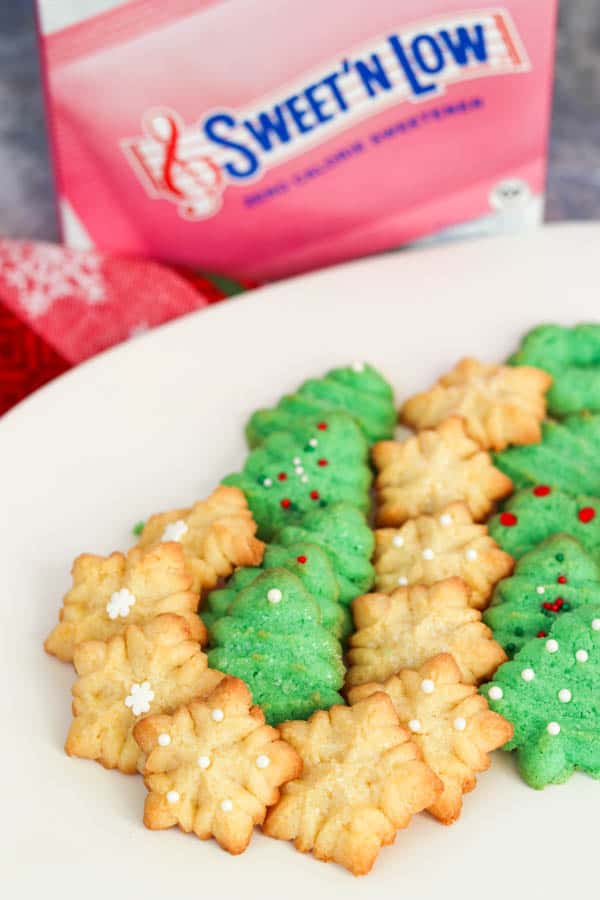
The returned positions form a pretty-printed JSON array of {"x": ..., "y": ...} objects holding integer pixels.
[{"x": 59, "y": 306}]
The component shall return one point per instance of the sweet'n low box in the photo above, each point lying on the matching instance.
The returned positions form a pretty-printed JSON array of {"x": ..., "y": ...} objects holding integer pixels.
[{"x": 258, "y": 139}]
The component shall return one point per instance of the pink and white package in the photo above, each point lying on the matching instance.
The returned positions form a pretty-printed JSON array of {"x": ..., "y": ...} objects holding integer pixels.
[{"x": 258, "y": 139}]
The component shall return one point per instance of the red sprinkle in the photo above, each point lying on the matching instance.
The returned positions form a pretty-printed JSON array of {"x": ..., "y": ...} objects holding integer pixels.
[
  {"x": 509, "y": 519},
  {"x": 542, "y": 490},
  {"x": 549, "y": 606},
  {"x": 301, "y": 559},
  {"x": 322, "y": 426},
  {"x": 282, "y": 476},
  {"x": 559, "y": 602},
  {"x": 562, "y": 579},
  {"x": 541, "y": 634},
  {"x": 286, "y": 503},
  {"x": 314, "y": 495},
  {"x": 586, "y": 514},
  {"x": 323, "y": 462}
]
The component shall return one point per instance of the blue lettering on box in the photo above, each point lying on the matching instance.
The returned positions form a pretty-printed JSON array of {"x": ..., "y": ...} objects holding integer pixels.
[{"x": 412, "y": 64}]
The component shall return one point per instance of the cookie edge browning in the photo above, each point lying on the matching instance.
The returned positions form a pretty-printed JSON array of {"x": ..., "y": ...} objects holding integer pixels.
[
  {"x": 460, "y": 512},
  {"x": 530, "y": 435},
  {"x": 62, "y": 641},
  {"x": 229, "y": 549},
  {"x": 364, "y": 864},
  {"x": 91, "y": 656},
  {"x": 384, "y": 453},
  {"x": 496, "y": 728},
  {"x": 147, "y": 729},
  {"x": 364, "y": 618}
]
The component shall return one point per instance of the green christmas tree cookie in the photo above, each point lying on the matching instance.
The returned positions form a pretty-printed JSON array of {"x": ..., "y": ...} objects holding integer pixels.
[
  {"x": 341, "y": 531},
  {"x": 357, "y": 389},
  {"x": 533, "y": 514},
  {"x": 310, "y": 564},
  {"x": 559, "y": 575},
  {"x": 572, "y": 357},
  {"x": 550, "y": 692},
  {"x": 316, "y": 463},
  {"x": 566, "y": 458},
  {"x": 273, "y": 640}
]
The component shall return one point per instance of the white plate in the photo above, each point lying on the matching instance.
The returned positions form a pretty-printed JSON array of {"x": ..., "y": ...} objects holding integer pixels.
[{"x": 156, "y": 423}]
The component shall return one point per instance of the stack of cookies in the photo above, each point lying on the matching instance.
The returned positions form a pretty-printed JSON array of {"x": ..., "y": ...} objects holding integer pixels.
[{"x": 327, "y": 714}]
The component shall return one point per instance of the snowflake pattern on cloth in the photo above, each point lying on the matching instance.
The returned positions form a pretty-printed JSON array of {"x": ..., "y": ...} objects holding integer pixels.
[
  {"x": 43, "y": 273},
  {"x": 82, "y": 302}
]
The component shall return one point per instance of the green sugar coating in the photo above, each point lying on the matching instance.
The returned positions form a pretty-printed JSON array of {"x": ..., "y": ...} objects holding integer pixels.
[
  {"x": 550, "y": 693},
  {"x": 572, "y": 357},
  {"x": 567, "y": 458},
  {"x": 316, "y": 463},
  {"x": 358, "y": 390},
  {"x": 273, "y": 640},
  {"x": 310, "y": 564},
  {"x": 538, "y": 512},
  {"x": 557, "y": 576},
  {"x": 341, "y": 531}
]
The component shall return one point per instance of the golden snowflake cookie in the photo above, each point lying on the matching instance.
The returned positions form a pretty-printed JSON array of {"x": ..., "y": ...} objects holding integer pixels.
[
  {"x": 363, "y": 779},
  {"x": 432, "y": 469},
  {"x": 500, "y": 405},
  {"x": 449, "y": 721},
  {"x": 216, "y": 534},
  {"x": 111, "y": 592},
  {"x": 404, "y": 629},
  {"x": 430, "y": 548},
  {"x": 152, "y": 668},
  {"x": 214, "y": 767}
]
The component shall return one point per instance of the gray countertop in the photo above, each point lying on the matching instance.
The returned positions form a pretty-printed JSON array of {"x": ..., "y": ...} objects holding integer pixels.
[{"x": 26, "y": 193}]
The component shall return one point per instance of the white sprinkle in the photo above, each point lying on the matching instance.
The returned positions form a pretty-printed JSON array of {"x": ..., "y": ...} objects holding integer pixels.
[
  {"x": 446, "y": 519},
  {"x": 174, "y": 531},
  {"x": 553, "y": 728},
  {"x": 268, "y": 482},
  {"x": 596, "y": 624},
  {"x": 139, "y": 698},
  {"x": 299, "y": 470},
  {"x": 120, "y": 604},
  {"x": 414, "y": 725},
  {"x": 313, "y": 442},
  {"x": 427, "y": 686},
  {"x": 398, "y": 540},
  {"x": 226, "y": 805},
  {"x": 274, "y": 595},
  {"x": 204, "y": 762},
  {"x": 471, "y": 554},
  {"x": 402, "y": 580},
  {"x": 460, "y": 724},
  {"x": 496, "y": 693},
  {"x": 262, "y": 761},
  {"x": 551, "y": 645},
  {"x": 564, "y": 695},
  {"x": 582, "y": 656},
  {"x": 428, "y": 553},
  {"x": 164, "y": 739},
  {"x": 172, "y": 796},
  {"x": 304, "y": 479},
  {"x": 527, "y": 674},
  {"x": 217, "y": 715},
  {"x": 296, "y": 461},
  {"x": 358, "y": 367},
  {"x": 540, "y": 589}
]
